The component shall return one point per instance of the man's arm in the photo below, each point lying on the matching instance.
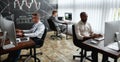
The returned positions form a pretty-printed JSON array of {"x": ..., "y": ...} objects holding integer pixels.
[
  {"x": 27, "y": 31},
  {"x": 78, "y": 33},
  {"x": 91, "y": 31},
  {"x": 94, "y": 35},
  {"x": 58, "y": 21},
  {"x": 39, "y": 30}
]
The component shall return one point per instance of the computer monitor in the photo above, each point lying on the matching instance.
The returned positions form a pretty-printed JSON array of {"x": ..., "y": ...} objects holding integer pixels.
[
  {"x": 0, "y": 19},
  {"x": 68, "y": 16},
  {"x": 9, "y": 27},
  {"x": 60, "y": 18},
  {"x": 110, "y": 29},
  {"x": 0, "y": 22}
]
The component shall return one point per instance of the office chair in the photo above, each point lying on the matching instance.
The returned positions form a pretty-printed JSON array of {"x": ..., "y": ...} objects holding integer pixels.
[
  {"x": 34, "y": 49},
  {"x": 78, "y": 43},
  {"x": 53, "y": 28}
]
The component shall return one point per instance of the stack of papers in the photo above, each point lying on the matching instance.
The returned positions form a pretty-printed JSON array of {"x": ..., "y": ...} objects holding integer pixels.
[{"x": 99, "y": 39}]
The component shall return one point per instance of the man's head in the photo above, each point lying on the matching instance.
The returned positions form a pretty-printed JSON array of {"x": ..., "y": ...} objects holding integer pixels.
[
  {"x": 83, "y": 17},
  {"x": 35, "y": 17},
  {"x": 54, "y": 13}
]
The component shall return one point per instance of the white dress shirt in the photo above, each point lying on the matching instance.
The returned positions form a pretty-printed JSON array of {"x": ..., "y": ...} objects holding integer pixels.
[
  {"x": 36, "y": 31},
  {"x": 83, "y": 30}
]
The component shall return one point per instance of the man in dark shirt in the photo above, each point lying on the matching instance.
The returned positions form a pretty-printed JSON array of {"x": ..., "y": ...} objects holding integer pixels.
[{"x": 60, "y": 26}]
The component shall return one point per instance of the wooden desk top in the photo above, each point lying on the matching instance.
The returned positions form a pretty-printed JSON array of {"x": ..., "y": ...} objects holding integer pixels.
[
  {"x": 20, "y": 45},
  {"x": 101, "y": 49}
]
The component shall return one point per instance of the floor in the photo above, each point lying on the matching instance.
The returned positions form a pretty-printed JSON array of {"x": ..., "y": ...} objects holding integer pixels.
[{"x": 56, "y": 51}]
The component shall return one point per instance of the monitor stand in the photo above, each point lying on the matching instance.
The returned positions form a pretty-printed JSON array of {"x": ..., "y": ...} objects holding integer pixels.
[
  {"x": 117, "y": 35},
  {"x": 114, "y": 46},
  {"x": 3, "y": 42},
  {"x": 118, "y": 45},
  {"x": 3, "y": 38}
]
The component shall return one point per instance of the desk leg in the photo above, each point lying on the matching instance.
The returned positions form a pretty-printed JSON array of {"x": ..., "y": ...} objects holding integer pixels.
[
  {"x": 82, "y": 55},
  {"x": 105, "y": 58},
  {"x": 34, "y": 54},
  {"x": 115, "y": 60},
  {"x": 66, "y": 31},
  {"x": 94, "y": 55},
  {"x": 0, "y": 58}
]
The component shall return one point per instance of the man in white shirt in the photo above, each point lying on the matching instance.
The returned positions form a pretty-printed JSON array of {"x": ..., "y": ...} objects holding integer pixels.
[
  {"x": 35, "y": 33},
  {"x": 84, "y": 32}
]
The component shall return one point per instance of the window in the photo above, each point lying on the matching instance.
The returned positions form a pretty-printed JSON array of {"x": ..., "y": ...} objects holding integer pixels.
[{"x": 99, "y": 11}]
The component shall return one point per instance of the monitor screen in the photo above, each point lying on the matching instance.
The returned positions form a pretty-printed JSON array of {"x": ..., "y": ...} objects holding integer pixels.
[
  {"x": 9, "y": 27},
  {"x": 68, "y": 16},
  {"x": 110, "y": 29},
  {"x": 60, "y": 18}
]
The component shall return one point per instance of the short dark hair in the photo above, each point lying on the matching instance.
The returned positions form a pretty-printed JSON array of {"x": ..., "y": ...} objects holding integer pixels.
[
  {"x": 53, "y": 12},
  {"x": 82, "y": 13},
  {"x": 35, "y": 14}
]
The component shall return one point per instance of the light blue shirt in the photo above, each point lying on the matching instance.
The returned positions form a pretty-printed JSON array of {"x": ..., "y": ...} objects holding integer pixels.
[{"x": 36, "y": 31}]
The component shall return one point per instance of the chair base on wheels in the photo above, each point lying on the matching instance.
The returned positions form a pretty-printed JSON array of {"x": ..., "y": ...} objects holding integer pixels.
[
  {"x": 56, "y": 37},
  {"x": 29, "y": 57},
  {"x": 83, "y": 56},
  {"x": 76, "y": 56},
  {"x": 79, "y": 56},
  {"x": 32, "y": 55}
]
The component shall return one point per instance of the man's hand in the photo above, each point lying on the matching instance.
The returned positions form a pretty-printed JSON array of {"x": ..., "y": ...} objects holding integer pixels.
[
  {"x": 19, "y": 31},
  {"x": 96, "y": 36},
  {"x": 20, "y": 34}
]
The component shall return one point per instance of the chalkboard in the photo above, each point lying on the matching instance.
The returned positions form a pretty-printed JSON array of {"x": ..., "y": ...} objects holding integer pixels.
[{"x": 20, "y": 11}]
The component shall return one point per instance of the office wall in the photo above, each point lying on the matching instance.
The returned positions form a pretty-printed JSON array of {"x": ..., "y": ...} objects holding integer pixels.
[
  {"x": 66, "y": 6},
  {"x": 20, "y": 10},
  {"x": 99, "y": 11}
]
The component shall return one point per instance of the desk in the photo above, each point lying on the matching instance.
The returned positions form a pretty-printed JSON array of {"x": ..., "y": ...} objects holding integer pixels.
[
  {"x": 67, "y": 31},
  {"x": 101, "y": 49},
  {"x": 20, "y": 45}
]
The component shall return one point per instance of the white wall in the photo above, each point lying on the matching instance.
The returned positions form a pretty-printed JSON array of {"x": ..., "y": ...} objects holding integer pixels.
[
  {"x": 65, "y": 6},
  {"x": 99, "y": 11}
]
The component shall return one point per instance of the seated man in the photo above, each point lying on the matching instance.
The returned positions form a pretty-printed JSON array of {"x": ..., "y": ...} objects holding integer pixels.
[
  {"x": 35, "y": 33},
  {"x": 84, "y": 31},
  {"x": 59, "y": 26}
]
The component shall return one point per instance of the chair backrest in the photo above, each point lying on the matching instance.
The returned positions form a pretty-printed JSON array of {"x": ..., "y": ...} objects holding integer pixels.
[
  {"x": 43, "y": 38},
  {"x": 75, "y": 40},
  {"x": 51, "y": 25},
  {"x": 44, "y": 34}
]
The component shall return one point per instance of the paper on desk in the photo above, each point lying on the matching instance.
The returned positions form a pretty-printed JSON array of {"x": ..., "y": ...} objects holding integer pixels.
[
  {"x": 114, "y": 46},
  {"x": 99, "y": 39}
]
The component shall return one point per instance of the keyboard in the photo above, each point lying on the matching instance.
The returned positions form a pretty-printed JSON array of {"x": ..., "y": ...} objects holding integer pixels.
[
  {"x": 99, "y": 39},
  {"x": 93, "y": 42},
  {"x": 23, "y": 39}
]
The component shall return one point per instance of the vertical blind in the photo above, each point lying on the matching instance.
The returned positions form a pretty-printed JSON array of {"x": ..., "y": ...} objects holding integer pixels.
[{"x": 99, "y": 11}]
